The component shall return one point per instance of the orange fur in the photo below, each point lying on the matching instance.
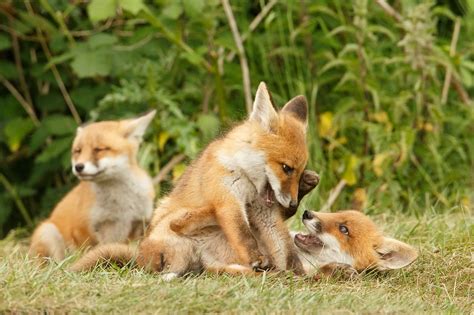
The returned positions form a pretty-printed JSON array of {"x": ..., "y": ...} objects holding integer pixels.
[
  {"x": 349, "y": 241},
  {"x": 216, "y": 188}
]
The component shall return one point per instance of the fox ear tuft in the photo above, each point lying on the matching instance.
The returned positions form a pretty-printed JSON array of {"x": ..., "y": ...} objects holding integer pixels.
[
  {"x": 263, "y": 111},
  {"x": 298, "y": 108},
  {"x": 135, "y": 128},
  {"x": 395, "y": 254}
]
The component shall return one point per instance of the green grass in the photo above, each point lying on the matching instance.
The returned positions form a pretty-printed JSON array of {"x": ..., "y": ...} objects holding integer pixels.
[{"x": 440, "y": 280}]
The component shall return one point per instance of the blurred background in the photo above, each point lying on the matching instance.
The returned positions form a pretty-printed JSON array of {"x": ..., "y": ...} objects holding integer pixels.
[{"x": 390, "y": 86}]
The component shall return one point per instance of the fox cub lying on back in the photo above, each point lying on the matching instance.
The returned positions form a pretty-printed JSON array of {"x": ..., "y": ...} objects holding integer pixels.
[{"x": 114, "y": 198}]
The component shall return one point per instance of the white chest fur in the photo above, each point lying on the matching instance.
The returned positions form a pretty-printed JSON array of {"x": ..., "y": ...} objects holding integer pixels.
[{"x": 121, "y": 204}]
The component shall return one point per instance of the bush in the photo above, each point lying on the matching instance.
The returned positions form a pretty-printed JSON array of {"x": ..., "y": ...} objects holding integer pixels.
[{"x": 381, "y": 125}]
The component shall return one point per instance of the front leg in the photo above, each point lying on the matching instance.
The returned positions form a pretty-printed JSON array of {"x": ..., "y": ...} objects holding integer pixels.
[
  {"x": 272, "y": 231},
  {"x": 110, "y": 231},
  {"x": 232, "y": 219}
]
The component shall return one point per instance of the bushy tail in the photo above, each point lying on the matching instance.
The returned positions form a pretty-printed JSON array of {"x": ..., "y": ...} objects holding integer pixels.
[{"x": 121, "y": 254}]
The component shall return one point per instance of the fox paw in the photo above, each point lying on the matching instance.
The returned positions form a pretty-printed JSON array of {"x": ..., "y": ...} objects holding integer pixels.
[
  {"x": 309, "y": 180},
  {"x": 261, "y": 264}
]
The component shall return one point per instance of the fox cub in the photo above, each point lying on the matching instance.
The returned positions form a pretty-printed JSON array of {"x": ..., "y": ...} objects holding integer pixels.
[
  {"x": 114, "y": 199},
  {"x": 348, "y": 242},
  {"x": 262, "y": 158}
]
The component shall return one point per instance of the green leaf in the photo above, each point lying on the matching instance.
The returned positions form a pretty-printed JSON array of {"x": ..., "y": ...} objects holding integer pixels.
[
  {"x": 173, "y": 10},
  {"x": 91, "y": 64},
  {"x": 350, "y": 169},
  {"x": 99, "y": 10},
  {"x": 193, "y": 8},
  {"x": 38, "y": 21},
  {"x": 16, "y": 130},
  {"x": 38, "y": 138},
  {"x": 209, "y": 125},
  {"x": 132, "y": 6},
  {"x": 59, "y": 125},
  {"x": 5, "y": 42},
  {"x": 8, "y": 70},
  {"x": 101, "y": 39},
  {"x": 55, "y": 149}
]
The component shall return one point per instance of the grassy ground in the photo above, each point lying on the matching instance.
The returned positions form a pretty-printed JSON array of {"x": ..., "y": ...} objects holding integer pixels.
[{"x": 440, "y": 280}]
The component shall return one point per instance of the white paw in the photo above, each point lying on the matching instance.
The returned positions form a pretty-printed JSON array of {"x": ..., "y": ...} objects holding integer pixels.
[{"x": 167, "y": 277}]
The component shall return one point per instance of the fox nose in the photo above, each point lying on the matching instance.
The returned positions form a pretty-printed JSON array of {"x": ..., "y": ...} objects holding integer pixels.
[
  {"x": 294, "y": 203},
  {"x": 79, "y": 167},
  {"x": 307, "y": 215}
]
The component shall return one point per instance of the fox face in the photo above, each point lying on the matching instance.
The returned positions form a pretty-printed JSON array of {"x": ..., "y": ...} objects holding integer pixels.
[
  {"x": 105, "y": 150},
  {"x": 350, "y": 237},
  {"x": 283, "y": 142}
]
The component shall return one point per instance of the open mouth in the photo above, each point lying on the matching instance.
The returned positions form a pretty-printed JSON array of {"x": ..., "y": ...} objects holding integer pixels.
[
  {"x": 268, "y": 195},
  {"x": 308, "y": 240},
  {"x": 89, "y": 176}
]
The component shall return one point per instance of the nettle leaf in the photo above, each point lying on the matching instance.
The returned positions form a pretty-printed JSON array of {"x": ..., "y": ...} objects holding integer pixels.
[
  {"x": 99, "y": 10},
  {"x": 132, "y": 6},
  {"x": 16, "y": 130},
  {"x": 59, "y": 125},
  {"x": 193, "y": 8},
  {"x": 173, "y": 10},
  {"x": 55, "y": 149},
  {"x": 209, "y": 125},
  {"x": 101, "y": 39},
  {"x": 91, "y": 64},
  {"x": 38, "y": 22}
]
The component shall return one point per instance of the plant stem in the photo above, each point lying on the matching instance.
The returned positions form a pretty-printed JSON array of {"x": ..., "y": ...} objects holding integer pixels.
[
  {"x": 241, "y": 51},
  {"x": 11, "y": 190}
]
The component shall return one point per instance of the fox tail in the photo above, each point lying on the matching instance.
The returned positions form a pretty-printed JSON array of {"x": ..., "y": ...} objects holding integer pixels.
[{"x": 120, "y": 254}]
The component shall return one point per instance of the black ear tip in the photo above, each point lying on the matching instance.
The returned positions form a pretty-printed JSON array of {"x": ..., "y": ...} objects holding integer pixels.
[{"x": 298, "y": 106}]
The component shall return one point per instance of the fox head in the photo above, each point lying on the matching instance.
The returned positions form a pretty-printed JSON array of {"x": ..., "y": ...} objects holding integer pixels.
[
  {"x": 283, "y": 141},
  {"x": 108, "y": 149},
  {"x": 352, "y": 238}
]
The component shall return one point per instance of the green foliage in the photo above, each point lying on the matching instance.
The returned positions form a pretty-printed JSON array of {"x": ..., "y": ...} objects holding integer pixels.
[{"x": 374, "y": 84}]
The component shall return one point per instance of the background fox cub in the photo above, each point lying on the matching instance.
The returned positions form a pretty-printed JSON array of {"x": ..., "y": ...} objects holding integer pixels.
[{"x": 114, "y": 199}]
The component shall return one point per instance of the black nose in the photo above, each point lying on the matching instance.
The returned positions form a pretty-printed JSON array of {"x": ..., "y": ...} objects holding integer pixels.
[
  {"x": 79, "y": 167},
  {"x": 294, "y": 203},
  {"x": 307, "y": 215}
]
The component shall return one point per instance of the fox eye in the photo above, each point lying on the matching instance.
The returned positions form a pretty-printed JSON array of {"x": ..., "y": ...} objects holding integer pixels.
[
  {"x": 287, "y": 169},
  {"x": 99, "y": 149},
  {"x": 344, "y": 229},
  {"x": 76, "y": 151}
]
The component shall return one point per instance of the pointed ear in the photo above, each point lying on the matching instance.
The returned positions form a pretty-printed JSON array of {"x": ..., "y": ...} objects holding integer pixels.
[
  {"x": 298, "y": 108},
  {"x": 263, "y": 111},
  {"x": 135, "y": 128},
  {"x": 395, "y": 254}
]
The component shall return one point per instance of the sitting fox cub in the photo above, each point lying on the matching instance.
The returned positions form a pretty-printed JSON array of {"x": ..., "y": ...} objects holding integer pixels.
[
  {"x": 262, "y": 158},
  {"x": 114, "y": 198}
]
